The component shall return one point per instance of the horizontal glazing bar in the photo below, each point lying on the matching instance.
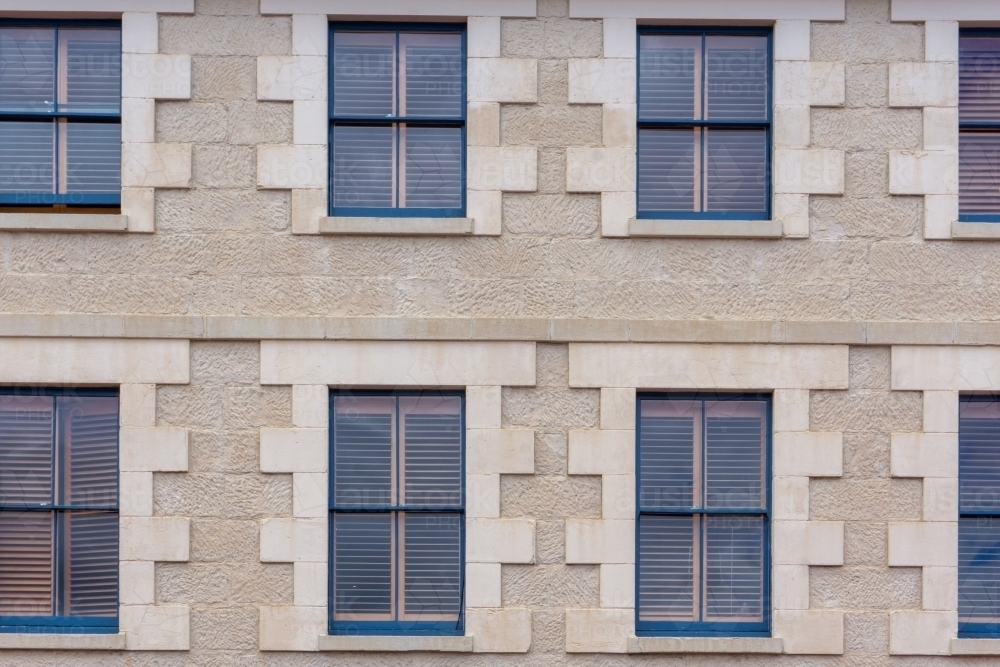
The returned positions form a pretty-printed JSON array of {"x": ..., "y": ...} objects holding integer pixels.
[
  {"x": 735, "y": 124},
  {"x": 397, "y": 508}
]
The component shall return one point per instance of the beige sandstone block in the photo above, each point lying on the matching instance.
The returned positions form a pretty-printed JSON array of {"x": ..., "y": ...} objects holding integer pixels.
[
  {"x": 810, "y": 632},
  {"x": 310, "y": 122},
  {"x": 790, "y": 498},
  {"x": 791, "y": 410},
  {"x": 137, "y": 405},
  {"x": 293, "y": 450},
  {"x": 308, "y": 208},
  {"x": 499, "y": 630},
  {"x": 509, "y": 80},
  {"x": 790, "y": 586},
  {"x": 600, "y": 169},
  {"x": 808, "y": 454},
  {"x": 923, "y": 543},
  {"x": 940, "y": 129},
  {"x": 156, "y": 76},
  {"x": 802, "y": 83},
  {"x": 288, "y": 78},
  {"x": 94, "y": 361},
  {"x": 598, "y": 630},
  {"x": 933, "y": 84},
  {"x": 398, "y": 363},
  {"x": 505, "y": 451},
  {"x": 291, "y": 628},
  {"x": 618, "y": 497},
  {"x": 922, "y": 632},
  {"x": 598, "y": 541},
  {"x": 707, "y": 366},
  {"x": 69, "y": 642},
  {"x": 951, "y": 368},
  {"x": 310, "y": 34},
  {"x": 941, "y": 41},
  {"x": 812, "y": 171},
  {"x": 792, "y": 39},
  {"x": 139, "y": 208},
  {"x": 482, "y": 585},
  {"x": 500, "y": 541},
  {"x": 941, "y": 411},
  {"x": 291, "y": 167},
  {"x": 293, "y": 541},
  {"x": 482, "y": 496},
  {"x": 975, "y": 646},
  {"x": 617, "y": 409},
  {"x": 599, "y": 452},
  {"x": 482, "y": 407},
  {"x": 618, "y": 125},
  {"x": 617, "y": 586},
  {"x": 140, "y": 32},
  {"x": 156, "y": 165},
  {"x": 617, "y": 213},
  {"x": 792, "y": 124},
  {"x": 924, "y": 454},
  {"x": 138, "y": 120},
  {"x": 923, "y": 173},
  {"x": 507, "y": 168},
  {"x": 602, "y": 81},
  {"x": 397, "y": 8},
  {"x": 793, "y": 212},
  {"x": 135, "y": 494},
  {"x": 703, "y": 645},
  {"x": 309, "y": 584},
  {"x": 483, "y": 36},
  {"x": 310, "y": 406},
  {"x": 940, "y": 214},
  {"x": 483, "y": 125},
  {"x": 160, "y": 538},
  {"x": 619, "y": 38},
  {"x": 309, "y": 495},
  {"x": 136, "y": 582},
  {"x": 808, "y": 542},
  {"x": 153, "y": 449},
  {"x": 940, "y": 589},
  {"x": 155, "y": 628},
  {"x": 940, "y": 499},
  {"x": 486, "y": 210}
]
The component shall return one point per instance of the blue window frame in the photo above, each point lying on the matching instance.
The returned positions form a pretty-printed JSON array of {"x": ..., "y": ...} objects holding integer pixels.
[
  {"x": 704, "y": 123},
  {"x": 979, "y": 516},
  {"x": 60, "y": 113},
  {"x": 397, "y": 119},
  {"x": 979, "y": 125},
  {"x": 703, "y": 514},
  {"x": 397, "y": 513},
  {"x": 58, "y": 510}
]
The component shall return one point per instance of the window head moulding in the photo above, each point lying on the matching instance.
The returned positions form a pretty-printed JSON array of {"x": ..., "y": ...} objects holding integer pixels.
[
  {"x": 711, "y": 10},
  {"x": 402, "y": 9},
  {"x": 966, "y": 11},
  {"x": 92, "y": 8}
]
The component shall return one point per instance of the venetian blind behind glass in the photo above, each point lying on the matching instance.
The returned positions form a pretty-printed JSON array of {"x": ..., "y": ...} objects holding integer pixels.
[{"x": 979, "y": 501}]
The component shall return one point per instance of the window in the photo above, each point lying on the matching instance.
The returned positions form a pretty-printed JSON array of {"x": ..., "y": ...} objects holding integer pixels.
[
  {"x": 703, "y": 524},
  {"x": 979, "y": 126},
  {"x": 979, "y": 516},
  {"x": 58, "y": 511},
  {"x": 60, "y": 114},
  {"x": 397, "y": 121},
  {"x": 397, "y": 513},
  {"x": 704, "y": 141}
]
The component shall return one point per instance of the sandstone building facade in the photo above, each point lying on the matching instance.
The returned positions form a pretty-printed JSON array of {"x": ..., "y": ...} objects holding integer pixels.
[{"x": 236, "y": 309}]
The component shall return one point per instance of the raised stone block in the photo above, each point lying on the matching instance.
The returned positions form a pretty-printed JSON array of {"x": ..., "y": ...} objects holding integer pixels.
[
  {"x": 507, "y": 168},
  {"x": 792, "y": 125},
  {"x": 600, "y": 169},
  {"x": 510, "y": 80},
  {"x": 940, "y": 129},
  {"x": 156, "y": 76},
  {"x": 923, "y": 543},
  {"x": 310, "y": 122},
  {"x": 482, "y": 496},
  {"x": 933, "y": 84},
  {"x": 810, "y": 632},
  {"x": 135, "y": 494},
  {"x": 499, "y": 630},
  {"x": 156, "y": 538},
  {"x": 791, "y": 410},
  {"x": 291, "y": 628},
  {"x": 940, "y": 589},
  {"x": 619, "y": 38},
  {"x": 941, "y": 411},
  {"x": 309, "y": 495},
  {"x": 137, "y": 405},
  {"x": 310, "y": 406},
  {"x": 310, "y": 34},
  {"x": 140, "y": 32},
  {"x": 808, "y": 454},
  {"x": 291, "y": 167},
  {"x": 923, "y": 173},
  {"x": 801, "y": 83},
  {"x": 924, "y": 454},
  {"x": 155, "y": 627},
  {"x": 950, "y": 368},
  {"x": 483, "y": 36},
  {"x": 500, "y": 541},
  {"x": 792, "y": 39},
  {"x": 293, "y": 450},
  {"x": 790, "y": 498},
  {"x": 136, "y": 582},
  {"x": 138, "y": 120},
  {"x": 617, "y": 213},
  {"x": 790, "y": 586},
  {"x": 599, "y": 452},
  {"x": 482, "y": 407},
  {"x": 808, "y": 542},
  {"x": 922, "y": 632},
  {"x": 139, "y": 207},
  {"x": 940, "y": 213},
  {"x": 602, "y": 81},
  {"x": 288, "y": 78},
  {"x": 156, "y": 165},
  {"x": 94, "y": 361},
  {"x": 618, "y": 497},
  {"x": 482, "y": 585},
  {"x": 486, "y": 210},
  {"x": 792, "y": 210},
  {"x": 617, "y": 586},
  {"x": 293, "y": 541},
  {"x": 153, "y": 449},
  {"x": 598, "y": 630},
  {"x": 618, "y": 125},
  {"x": 505, "y": 451},
  {"x": 617, "y": 409},
  {"x": 308, "y": 207},
  {"x": 597, "y": 541},
  {"x": 483, "y": 124},
  {"x": 812, "y": 171},
  {"x": 941, "y": 41},
  {"x": 309, "y": 584}
]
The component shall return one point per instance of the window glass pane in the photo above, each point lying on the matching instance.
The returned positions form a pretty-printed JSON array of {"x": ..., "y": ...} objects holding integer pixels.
[
  {"x": 734, "y": 454},
  {"x": 669, "y": 165},
  {"x": 734, "y": 568},
  {"x": 432, "y": 71},
  {"x": 90, "y": 69},
  {"x": 666, "y": 573},
  {"x": 736, "y": 77},
  {"x": 432, "y": 450},
  {"x": 362, "y": 566},
  {"x": 27, "y": 69},
  {"x": 669, "y": 76},
  {"x": 92, "y": 543},
  {"x": 979, "y": 78},
  {"x": 979, "y": 456},
  {"x": 433, "y": 167},
  {"x": 27, "y": 151},
  {"x": 364, "y": 67},
  {"x": 26, "y": 449},
  {"x": 979, "y": 172},
  {"x": 432, "y": 565},
  {"x": 979, "y": 569},
  {"x": 25, "y": 563},
  {"x": 364, "y": 162},
  {"x": 737, "y": 170},
  {"x": 363, "y": 436},
  {"x": 90, "y": 450},
  {"x": 669, "y": 466},
  {"x": 93, "y": 157}
]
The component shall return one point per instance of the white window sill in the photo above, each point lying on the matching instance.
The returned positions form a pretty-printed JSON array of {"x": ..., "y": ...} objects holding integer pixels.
[
  {"x": 701, "y": 229},
  {"x": 397, "y": 226},
  {"x": 386, "y": 644},
  {"x": 89, "y": 642},
  {"x": 972, "y": 231},
  {"x": 770, "y": 645},
  {"x": 63, "y": 222},
  {"x": 975, "y": 646}
]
